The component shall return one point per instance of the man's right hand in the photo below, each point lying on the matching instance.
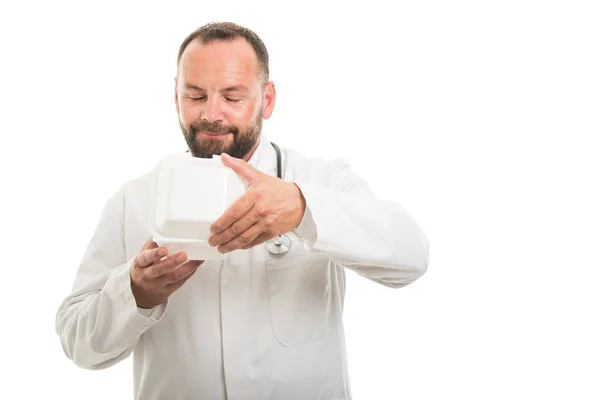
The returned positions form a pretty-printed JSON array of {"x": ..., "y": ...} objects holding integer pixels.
[{"x": 153, "y": 279}]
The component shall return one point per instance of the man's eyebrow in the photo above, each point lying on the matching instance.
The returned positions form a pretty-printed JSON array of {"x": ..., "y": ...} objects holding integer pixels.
[
  {"x": 236, "y": 88},
  {"x": 193, "y": 87}
]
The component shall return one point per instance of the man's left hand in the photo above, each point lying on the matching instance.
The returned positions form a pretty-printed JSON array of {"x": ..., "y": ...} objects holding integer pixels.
[{"x": 271, "y": 207}]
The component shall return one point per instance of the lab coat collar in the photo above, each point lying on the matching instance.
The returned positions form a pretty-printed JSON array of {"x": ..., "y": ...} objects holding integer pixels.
[{"x": 264, "y": 157}]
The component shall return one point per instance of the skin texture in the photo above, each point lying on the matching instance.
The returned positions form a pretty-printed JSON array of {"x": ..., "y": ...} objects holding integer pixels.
[
  {"x": 221, "y": 99},
  {"x": 155, "y": 277},
  {"x": 271, "y": 207},
  {"x": 219, "y": 89}
]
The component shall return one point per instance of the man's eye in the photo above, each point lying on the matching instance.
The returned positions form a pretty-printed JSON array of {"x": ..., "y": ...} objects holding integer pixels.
[
  {"x": 232, "y": 100},
  {"x": 197, "y": 98}
]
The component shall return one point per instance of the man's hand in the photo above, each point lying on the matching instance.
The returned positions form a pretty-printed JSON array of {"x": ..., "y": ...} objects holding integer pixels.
[
  {"x": 271, "y": 207},
  {"x": 154, "y": 279}
]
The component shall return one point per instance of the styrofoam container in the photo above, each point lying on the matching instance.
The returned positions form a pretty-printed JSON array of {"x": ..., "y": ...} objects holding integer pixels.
[{"x": 189, "y": 194}]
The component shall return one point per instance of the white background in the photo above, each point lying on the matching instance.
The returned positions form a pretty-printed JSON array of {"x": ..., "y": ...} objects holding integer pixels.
[{"x": 481, "y": 118}]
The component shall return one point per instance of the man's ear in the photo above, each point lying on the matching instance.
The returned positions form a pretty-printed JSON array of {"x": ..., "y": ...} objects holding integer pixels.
[
  {"x": 269, "y": 100},
  {"x": 176, "y": 97}
]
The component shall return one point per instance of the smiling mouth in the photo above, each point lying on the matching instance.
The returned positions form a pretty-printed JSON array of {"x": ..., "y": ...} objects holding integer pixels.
[{"x": 212, "y": 134}]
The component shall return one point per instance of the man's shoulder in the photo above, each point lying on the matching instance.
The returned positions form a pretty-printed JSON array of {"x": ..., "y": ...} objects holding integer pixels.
[
  {"x": 142, "y": 182},
  {"x": 334, "y": 173},
  {"x": 314, "y": 166},
  {"x": 135, "y": 187}
]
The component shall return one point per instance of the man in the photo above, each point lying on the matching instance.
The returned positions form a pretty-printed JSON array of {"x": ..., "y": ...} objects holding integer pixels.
[{"x": 256, "y": 325}]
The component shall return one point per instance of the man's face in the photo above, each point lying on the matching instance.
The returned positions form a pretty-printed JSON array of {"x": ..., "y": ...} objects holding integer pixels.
[{"x": 219, "y": 98}]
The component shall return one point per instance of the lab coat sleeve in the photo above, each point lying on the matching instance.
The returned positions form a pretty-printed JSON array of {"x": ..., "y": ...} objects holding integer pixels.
[
  {"x": 376, "y": 238},
  {"x": 99, "y": 323}
]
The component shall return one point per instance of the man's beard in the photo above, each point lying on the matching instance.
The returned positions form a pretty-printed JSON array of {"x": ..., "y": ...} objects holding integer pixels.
[{"x": 205, "y": 147}]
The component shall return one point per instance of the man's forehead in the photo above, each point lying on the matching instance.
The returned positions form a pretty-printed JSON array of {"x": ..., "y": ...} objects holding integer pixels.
[{"x": 236, "y": 56}]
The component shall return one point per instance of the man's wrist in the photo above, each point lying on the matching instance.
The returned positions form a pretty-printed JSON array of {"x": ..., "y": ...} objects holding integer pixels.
[{"x": 302, "y": 207}]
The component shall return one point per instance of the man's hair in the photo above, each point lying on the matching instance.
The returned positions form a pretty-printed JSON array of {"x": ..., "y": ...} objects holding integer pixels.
[{"x": 229, "y": 31}]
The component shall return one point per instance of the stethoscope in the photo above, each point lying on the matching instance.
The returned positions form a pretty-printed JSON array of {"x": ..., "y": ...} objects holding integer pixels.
[{"x": 280, "y": 244}]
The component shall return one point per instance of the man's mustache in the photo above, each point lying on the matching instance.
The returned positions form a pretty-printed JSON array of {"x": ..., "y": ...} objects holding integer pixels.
[{"x": 212, "y": 127}]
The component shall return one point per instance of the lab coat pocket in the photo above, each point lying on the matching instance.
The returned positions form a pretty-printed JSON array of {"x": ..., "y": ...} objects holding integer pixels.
[{"x": 300, "y": 297}]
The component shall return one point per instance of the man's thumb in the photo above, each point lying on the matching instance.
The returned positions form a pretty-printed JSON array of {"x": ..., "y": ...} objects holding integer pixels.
[{"x": 242, "y": 168}]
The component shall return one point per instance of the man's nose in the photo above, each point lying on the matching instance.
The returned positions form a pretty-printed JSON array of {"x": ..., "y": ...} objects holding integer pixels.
[{"x": 212, "y": 110}]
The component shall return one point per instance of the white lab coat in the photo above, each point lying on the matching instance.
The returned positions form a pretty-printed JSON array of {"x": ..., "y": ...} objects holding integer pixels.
[{"x": 256, "y": 326}]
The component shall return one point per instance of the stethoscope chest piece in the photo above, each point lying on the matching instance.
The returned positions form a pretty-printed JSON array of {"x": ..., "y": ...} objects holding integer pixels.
[{"x": 279, "y": 244}]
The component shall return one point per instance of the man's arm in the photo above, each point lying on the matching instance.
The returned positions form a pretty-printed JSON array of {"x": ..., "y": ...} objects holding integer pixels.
[
  {"x": 378, "y": 239},
  {"x": 339, "y": 217},
  {"x": 99, "y": 323}
]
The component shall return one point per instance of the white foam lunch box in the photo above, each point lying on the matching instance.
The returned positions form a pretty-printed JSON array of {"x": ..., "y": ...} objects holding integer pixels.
[{"x": 188, "y": 194}]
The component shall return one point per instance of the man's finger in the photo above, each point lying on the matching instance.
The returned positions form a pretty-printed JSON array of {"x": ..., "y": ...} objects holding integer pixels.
[
  {"x": 168, "y": 264},
  {"x": 235, "y": 229},
  {"x": 242, "y": 168},
  {"x": 242, "y": 240},
  {"x": 171, "y": 287},
  {"x": 181, "y": 272},
  {"x": 150, "y": 244},
  {"x": 148, "y": 257},
  {"x": 263, "y": 237},
  {"x": 235, "y": 212}
]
